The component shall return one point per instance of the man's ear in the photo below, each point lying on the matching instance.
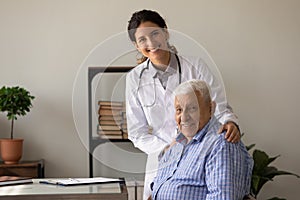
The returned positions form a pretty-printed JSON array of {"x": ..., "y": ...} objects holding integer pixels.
[{"x": 212, "y": 107}]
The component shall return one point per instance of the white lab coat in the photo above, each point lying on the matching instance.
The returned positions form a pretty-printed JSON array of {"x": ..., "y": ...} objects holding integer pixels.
[{"x": 153, "y": 108}]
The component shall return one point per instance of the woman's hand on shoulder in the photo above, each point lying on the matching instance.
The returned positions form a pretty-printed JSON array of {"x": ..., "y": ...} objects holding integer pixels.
[{"x": 232, "y": 132}]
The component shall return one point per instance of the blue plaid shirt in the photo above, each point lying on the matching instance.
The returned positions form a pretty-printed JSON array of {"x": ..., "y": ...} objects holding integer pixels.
[{"x": 208, "y": 167}]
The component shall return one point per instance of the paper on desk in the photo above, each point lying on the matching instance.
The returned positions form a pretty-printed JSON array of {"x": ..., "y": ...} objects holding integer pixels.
[{"x": 79, "y": 181}]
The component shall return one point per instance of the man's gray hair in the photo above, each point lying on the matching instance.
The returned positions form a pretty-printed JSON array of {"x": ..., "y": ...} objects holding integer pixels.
[{"x": 194, "y": 85}]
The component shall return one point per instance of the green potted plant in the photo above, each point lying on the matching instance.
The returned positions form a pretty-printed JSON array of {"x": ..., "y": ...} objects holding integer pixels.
[
  {"x": 14, "y": 101},
  {"x": 263, "y": 173}
]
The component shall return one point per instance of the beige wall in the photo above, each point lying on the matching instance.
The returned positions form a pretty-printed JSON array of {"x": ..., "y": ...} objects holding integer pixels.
[{"x": 256, "y": 45}]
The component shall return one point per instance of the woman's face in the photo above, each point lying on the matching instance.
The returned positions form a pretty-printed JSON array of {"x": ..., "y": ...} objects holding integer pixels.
[{"x": 151, "y": 41}]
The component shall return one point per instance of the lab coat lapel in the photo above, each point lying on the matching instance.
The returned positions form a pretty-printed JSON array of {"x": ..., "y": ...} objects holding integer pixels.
[
  {"x": 169, "y": 96},
  {"x": 161, "y": 91}
]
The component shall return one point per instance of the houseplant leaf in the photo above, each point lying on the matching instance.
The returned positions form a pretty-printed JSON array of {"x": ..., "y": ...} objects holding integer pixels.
[
  {"x": 250, "y": 147},
  {"x": 271, "y": 172},
  {"x": 257, "y": 182},
  {"x": 261, "y": 160},
  {"x": 262, "y": 172}
]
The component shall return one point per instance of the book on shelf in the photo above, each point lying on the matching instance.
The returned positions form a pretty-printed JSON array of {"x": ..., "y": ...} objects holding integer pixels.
[
  {"x": 110, "y": 122},
  {"x": 106, "y": 136},
  {"x": 109, "y": 112},
  {"x": 110, "y": 118},
  {"x": 14, "y": 180},
  {"x": 109, "y": 132},
  {"x": 109, "y": 127},
  {"x": 114, "y": 108},
  {"x": 110, "y": 103},
  {"x": 113, "y": 105}
]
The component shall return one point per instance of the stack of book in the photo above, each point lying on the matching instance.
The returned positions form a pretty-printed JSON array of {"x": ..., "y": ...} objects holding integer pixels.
[{"x": 111, "y": 119}]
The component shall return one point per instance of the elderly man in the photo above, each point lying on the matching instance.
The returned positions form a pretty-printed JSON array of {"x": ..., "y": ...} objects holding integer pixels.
[{"x": 201, "y": 164}]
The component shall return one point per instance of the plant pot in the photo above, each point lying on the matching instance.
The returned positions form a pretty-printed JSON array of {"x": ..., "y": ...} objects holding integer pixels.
[{"x": 11, "y": 150}]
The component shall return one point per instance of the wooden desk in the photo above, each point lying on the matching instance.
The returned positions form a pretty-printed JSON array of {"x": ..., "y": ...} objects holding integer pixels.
[
  {"x": 34, "y": 169},
  {"x": 37, "y": 191}
]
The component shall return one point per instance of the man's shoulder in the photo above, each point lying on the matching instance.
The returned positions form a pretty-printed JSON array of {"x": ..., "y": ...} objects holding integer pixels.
[
  {"x": 221, "y": 144},
  {"x": 221, "y": 140},
  {"x": 215, "y": 140},
  {"x": 212, "y": 131}
]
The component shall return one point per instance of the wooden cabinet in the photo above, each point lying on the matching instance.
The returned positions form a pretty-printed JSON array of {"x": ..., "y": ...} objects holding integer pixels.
[{"x": 34, "y": 169}]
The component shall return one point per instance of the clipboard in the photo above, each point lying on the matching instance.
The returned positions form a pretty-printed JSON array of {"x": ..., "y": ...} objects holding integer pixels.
[{"x": 79, "y": 181}]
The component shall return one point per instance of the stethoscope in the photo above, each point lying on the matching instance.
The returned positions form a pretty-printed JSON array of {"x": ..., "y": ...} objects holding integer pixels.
[{"x": 147, "y": 67}]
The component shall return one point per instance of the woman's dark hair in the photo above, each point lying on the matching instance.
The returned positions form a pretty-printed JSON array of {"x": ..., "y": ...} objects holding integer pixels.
[{"x": 143, "y": 16}]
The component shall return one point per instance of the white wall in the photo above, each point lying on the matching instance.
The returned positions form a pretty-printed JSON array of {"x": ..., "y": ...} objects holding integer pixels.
[{"x": 256, "y": 45}]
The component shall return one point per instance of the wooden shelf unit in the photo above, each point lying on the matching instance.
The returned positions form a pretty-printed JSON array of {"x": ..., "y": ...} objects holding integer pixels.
[{"x": 95, "y": 141}]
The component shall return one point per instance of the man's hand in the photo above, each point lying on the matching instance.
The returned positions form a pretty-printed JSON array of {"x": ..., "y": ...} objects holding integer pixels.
[{"x": 232, "y": 132}]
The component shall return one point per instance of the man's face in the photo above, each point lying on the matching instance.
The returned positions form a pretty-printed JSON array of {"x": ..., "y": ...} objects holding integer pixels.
[{"x": 192, "y": 113}]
